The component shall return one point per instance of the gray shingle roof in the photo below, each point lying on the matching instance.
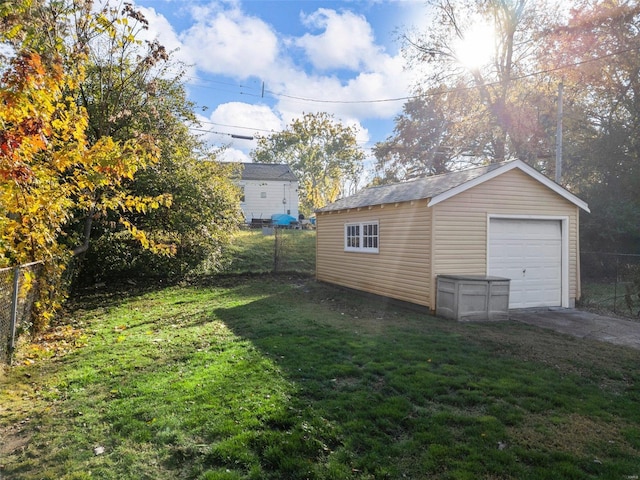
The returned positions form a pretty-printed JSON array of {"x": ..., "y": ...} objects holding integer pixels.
[
  {"x": 267, "y": 171},
  {"x": 427, "y": 187}
]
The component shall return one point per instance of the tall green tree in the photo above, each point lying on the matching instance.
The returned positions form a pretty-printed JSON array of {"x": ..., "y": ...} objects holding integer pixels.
[
  {"x": 323, "y": 154},
  {"x": 434, "y": 133},
  {"x": 77, "y": 135},
  {"x": 121, "y": 90},
  {"x": 199, "y": 225},
  {"x": 133, "y": 89},
  {"x": 506, "y": 108}
]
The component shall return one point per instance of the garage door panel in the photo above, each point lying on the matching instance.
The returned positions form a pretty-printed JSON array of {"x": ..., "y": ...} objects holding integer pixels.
[
  {"x": 525, "y": 227},
  {"x": 529, "y": 252}
]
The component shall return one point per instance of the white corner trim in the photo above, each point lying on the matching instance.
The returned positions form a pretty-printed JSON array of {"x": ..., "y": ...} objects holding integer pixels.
[{"x": 519, "y": 164}]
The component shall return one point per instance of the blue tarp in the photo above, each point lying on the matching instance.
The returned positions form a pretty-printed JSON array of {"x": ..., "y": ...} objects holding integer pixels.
[{"x": 282, "y": 219}]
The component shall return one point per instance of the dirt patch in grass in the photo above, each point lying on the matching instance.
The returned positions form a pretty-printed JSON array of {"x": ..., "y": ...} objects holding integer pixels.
[
  {"x": 14, "y": 438},
  {"x": 17, "y": 406},
  {"x": 21, "y": 398},
  {"x": 575, "y": 434}
]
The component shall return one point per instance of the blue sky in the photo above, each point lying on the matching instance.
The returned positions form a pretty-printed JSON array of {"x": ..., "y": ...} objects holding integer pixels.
[{"x": 309, "y": 56}]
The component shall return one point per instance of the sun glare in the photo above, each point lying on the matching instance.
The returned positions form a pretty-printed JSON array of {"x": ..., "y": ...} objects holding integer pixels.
[{"x": 476, "y": 49}]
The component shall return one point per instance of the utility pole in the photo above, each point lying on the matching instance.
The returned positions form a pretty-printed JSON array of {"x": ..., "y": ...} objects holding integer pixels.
[{"x": 559, "y": 136}]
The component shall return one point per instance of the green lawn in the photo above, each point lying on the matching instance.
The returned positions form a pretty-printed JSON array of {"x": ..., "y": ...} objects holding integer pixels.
[
  {"x": 284, "y": 378},
  {"x": 282, "y": 251}
]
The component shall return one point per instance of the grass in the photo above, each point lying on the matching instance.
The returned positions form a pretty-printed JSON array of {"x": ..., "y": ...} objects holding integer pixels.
[
  {"x": 253, "y": 252},
  {"x": 284, "y": 378}
]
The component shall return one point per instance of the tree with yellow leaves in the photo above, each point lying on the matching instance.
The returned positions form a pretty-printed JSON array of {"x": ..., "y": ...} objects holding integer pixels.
[{"x": 49, "y": 172}]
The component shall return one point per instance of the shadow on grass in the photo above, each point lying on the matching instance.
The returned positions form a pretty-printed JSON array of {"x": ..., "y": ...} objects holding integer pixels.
[
  {"x": 279, "y": 377},
  {"x": 408, "y": 396}
]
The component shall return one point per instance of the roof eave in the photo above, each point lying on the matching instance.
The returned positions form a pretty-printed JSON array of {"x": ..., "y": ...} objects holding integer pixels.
[{"x": 269, "y": 179}]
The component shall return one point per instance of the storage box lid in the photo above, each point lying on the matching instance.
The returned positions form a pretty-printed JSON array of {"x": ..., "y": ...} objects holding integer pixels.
[{"x": 481, "y": 278}]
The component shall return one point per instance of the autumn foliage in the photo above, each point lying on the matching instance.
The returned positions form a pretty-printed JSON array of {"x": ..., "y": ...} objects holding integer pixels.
[{"x": 51, "y": 176}]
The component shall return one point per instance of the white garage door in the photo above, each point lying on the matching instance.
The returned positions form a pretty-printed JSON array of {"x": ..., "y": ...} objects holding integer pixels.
[{"x": 529, "y": 252}]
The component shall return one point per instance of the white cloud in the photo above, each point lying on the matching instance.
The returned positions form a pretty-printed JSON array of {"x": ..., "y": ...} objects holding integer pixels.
[
  {"x": 161, "y": 29},
  {"x": 230, "y": 43},
  {"x": 347, "y": 66},
  {"x": 227, "y": 41},
  {"x": 347, "y": 40},
  {"x": 349, "y": 97},
  {"x": 248, "y": 119},
  {"x": 233, "y": 155},
  {"x": 238, "y": 119}
]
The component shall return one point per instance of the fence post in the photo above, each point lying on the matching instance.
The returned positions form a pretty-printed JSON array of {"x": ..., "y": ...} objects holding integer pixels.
[
  {"x": 14, "y": 308},
  {"x": 276, "y": 247},
  {"x": 615, "y": 288}
]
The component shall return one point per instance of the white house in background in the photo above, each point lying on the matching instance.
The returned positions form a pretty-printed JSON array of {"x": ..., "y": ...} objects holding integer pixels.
[{"x": 268, "y": 189}]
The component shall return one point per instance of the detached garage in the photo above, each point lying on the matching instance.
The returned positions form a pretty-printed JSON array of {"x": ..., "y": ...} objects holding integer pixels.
[{"x": 502, "y": 220}]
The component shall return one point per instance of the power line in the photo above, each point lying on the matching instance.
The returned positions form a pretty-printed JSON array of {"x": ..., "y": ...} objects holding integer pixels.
[
  {"x": 431, "y": 94},
  {"x": 232, "y": 135},
  {"x": 196, "y": 83},
  {"x": 410, "y": 97},
  {"x": 246, "y": 137},
  {"x": 236, "y": 126}
]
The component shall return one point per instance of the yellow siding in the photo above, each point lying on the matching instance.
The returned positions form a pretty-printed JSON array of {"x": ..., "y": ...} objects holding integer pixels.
[
  {"x": 406, "y": 266},
  {"x": 460, "y": 223},
  {"x": 399, "y": 270}
]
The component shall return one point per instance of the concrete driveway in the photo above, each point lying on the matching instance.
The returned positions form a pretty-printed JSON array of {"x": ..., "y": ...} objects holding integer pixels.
[{"x": 582, "y": 324}]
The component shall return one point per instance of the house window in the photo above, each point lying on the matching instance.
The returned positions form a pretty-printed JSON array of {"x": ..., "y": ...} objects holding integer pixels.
[
  {"x": 370, "y": 235},
  {"x": 263, "y": 194},
  {"x": 352, "y": 237},
  {"x": 361, "y": 237},
  {"x": 242, "y": 199}
]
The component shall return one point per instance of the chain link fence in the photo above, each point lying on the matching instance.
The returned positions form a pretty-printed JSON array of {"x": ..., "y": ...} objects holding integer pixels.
[
  {"x": 611, "y": 283},
  {"x": 18, "y": 289},
  {"x": 272, "y": 250},
  {"x": 294, "y": 251}
]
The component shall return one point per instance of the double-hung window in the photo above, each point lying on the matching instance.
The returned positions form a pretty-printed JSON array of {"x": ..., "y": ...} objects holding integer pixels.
[{"x": 361, "y": 237}]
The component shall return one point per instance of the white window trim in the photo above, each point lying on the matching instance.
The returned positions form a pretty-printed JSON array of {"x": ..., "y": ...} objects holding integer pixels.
[{"x": 361, "y": 248}]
